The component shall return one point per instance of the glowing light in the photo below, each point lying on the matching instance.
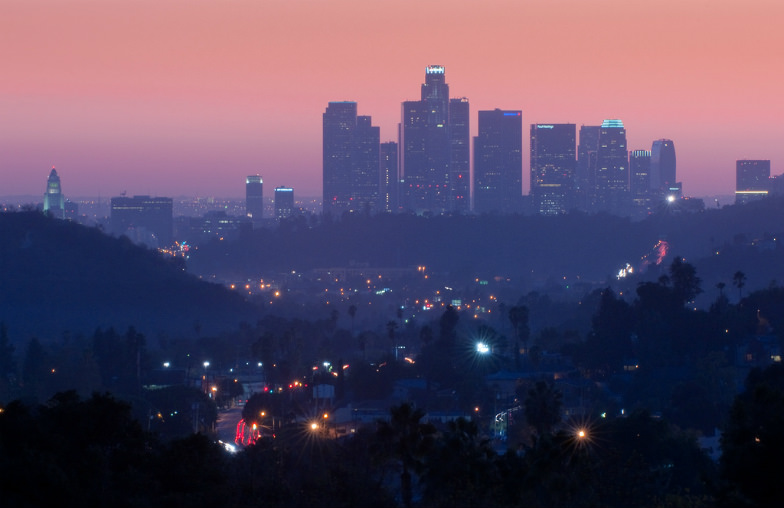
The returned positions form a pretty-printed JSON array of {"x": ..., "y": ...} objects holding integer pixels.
[{"x": 482, "y": 348}]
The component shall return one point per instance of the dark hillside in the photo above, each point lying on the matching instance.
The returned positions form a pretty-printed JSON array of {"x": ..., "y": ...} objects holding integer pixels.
[{"x": 57, "y": 276}]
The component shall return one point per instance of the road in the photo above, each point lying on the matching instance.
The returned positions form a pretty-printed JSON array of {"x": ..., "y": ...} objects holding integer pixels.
[{"x": 227, "y": 424}]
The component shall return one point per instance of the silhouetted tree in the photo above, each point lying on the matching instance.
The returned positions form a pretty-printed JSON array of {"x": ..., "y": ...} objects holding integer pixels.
[
  {"x": 685, "y": 283},
  {"x": 610, "y": 339},
  {"x": 9, "y": 382},
  {"x": 739, "y": 280},
  {"x": 543, "y": 407},
  {"x": 518, "y": 315},
  {"x": 35, "y": 371},
  {"x": 352, "y": 311},
  {"x": 407, "y": 440},
  {"x": 752, "y": 443},
  {"x": 461, "y": 469}
]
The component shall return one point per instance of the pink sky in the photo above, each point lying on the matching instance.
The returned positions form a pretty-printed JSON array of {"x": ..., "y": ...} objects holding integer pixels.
[{"x": 187, "y": 97}]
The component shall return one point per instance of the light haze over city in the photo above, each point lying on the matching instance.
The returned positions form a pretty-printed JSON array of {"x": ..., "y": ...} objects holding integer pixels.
[{"x": 189, "y": 97}]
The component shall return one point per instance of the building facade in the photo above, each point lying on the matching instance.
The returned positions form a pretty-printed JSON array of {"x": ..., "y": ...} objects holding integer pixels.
[
  {"x": 143, "y": 219},
  {"x": 752, "y": 180},
  {"x": 498, "y": 162},
  {"x": 434, "y": 149},
  {"x": 460, "y": 156},
  {"x": 389, "y": 178},
  {"x": 663, "y": 174},
  {"x": 254, "y": 199},
  {"x": 284, "y": 202},
  {"x": 640, "y": 181},
  {"x": 350, "y": 160},
  {"x": 553, "y": 163},
  {"x": 585, "y": 174},
  {"x": 611, "y": 181}
]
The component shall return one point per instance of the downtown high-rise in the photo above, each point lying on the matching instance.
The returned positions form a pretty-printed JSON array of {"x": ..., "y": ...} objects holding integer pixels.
[
  {"x": 254, "y": 199},
  {"x": 350, "y": 160},
  {"x": 553, "y": 165},
  {"x": 663, "y": 176},
  {"x": 284, "y": 202},
  {"x": 389, "y": 179},
  {"x": 752, "y": 180},
  {"x": 498, "y": 162},
  {"x": 434, "y": 149},
  {"x": 640, "y": 182},
  {"x": 611, "y": 176},
  {"x": 585, "y": 174}
]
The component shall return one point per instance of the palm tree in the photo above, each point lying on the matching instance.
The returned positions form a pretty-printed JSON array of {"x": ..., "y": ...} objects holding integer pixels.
[
  {"x": 352, "y": 311},
  {"x": 739, "y": 280},
  {"x": 407, "y": 440}
]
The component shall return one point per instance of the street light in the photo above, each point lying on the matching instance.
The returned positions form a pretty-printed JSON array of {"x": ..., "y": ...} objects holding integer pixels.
[{"x": 482, "y": 348}]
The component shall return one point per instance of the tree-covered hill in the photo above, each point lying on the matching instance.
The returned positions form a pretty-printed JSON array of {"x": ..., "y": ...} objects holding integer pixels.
[
  {"x": 58, "y": 276},
  {"x": 530, "y": 249}
]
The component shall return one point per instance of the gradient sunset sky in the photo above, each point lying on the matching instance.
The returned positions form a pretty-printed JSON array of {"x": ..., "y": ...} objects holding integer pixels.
[{"x": 187, "y": 97}]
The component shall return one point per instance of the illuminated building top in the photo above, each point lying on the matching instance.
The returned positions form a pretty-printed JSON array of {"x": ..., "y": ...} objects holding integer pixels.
[
  {"x": 434, "y": 69},
  {"x": 615, "y": 123}
]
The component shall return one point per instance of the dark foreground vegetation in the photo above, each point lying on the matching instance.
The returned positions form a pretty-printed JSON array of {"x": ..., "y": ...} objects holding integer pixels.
[{"x": 91, "y": 452}]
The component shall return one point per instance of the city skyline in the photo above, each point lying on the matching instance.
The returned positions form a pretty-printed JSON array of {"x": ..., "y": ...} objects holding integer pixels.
[{"x": 188, "y": 98}]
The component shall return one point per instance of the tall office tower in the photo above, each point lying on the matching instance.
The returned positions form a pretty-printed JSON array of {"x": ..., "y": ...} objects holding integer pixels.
[
  {"x": 389, "y": 181},
  {"x": 364, "y": 188},
  {"x": 752, "y": 180},
  {"x": 498, "y": 162},
  {"x": 143, "y": 219},
  {"x": 640, "y": 181},
  {"x": 431, "y": 182},
  {"x": 612, "y": 168},
  {"x": 284, "y": 202},
  {"x": 54, "y": 201},
  {"x": 254, "y": 199},
  {"x": 460, "y": 157},
  {"x": 350, "y": 160},
  {"x": 553, "y": 167},
  {"x": 662, "y": 166},
  {"x": 585, "y": 174}
]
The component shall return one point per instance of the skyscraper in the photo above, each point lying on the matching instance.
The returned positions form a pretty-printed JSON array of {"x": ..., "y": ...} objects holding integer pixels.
[
  {"x": 752, "y": 180},
  {"x": 662, "y": 166},
  {"x": 498, "y": 162},
  {"x": 388, "y": 176},
  {"x": 254, "y": 199},
  {"x": 585, "y": 175},
  {"x": 460, "y": 156},
  {"x": 350, "y": 160},
  {"x": 54, "y": 201},
  {"x": 640, "y": 181},
  {"x": 553, "y": 167},
  {"x": 434, "y": 151},
  {"x": 612, "y": 168},
  {"x": 284, "y": 202},
  {"x": 364, "y": 170}
]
